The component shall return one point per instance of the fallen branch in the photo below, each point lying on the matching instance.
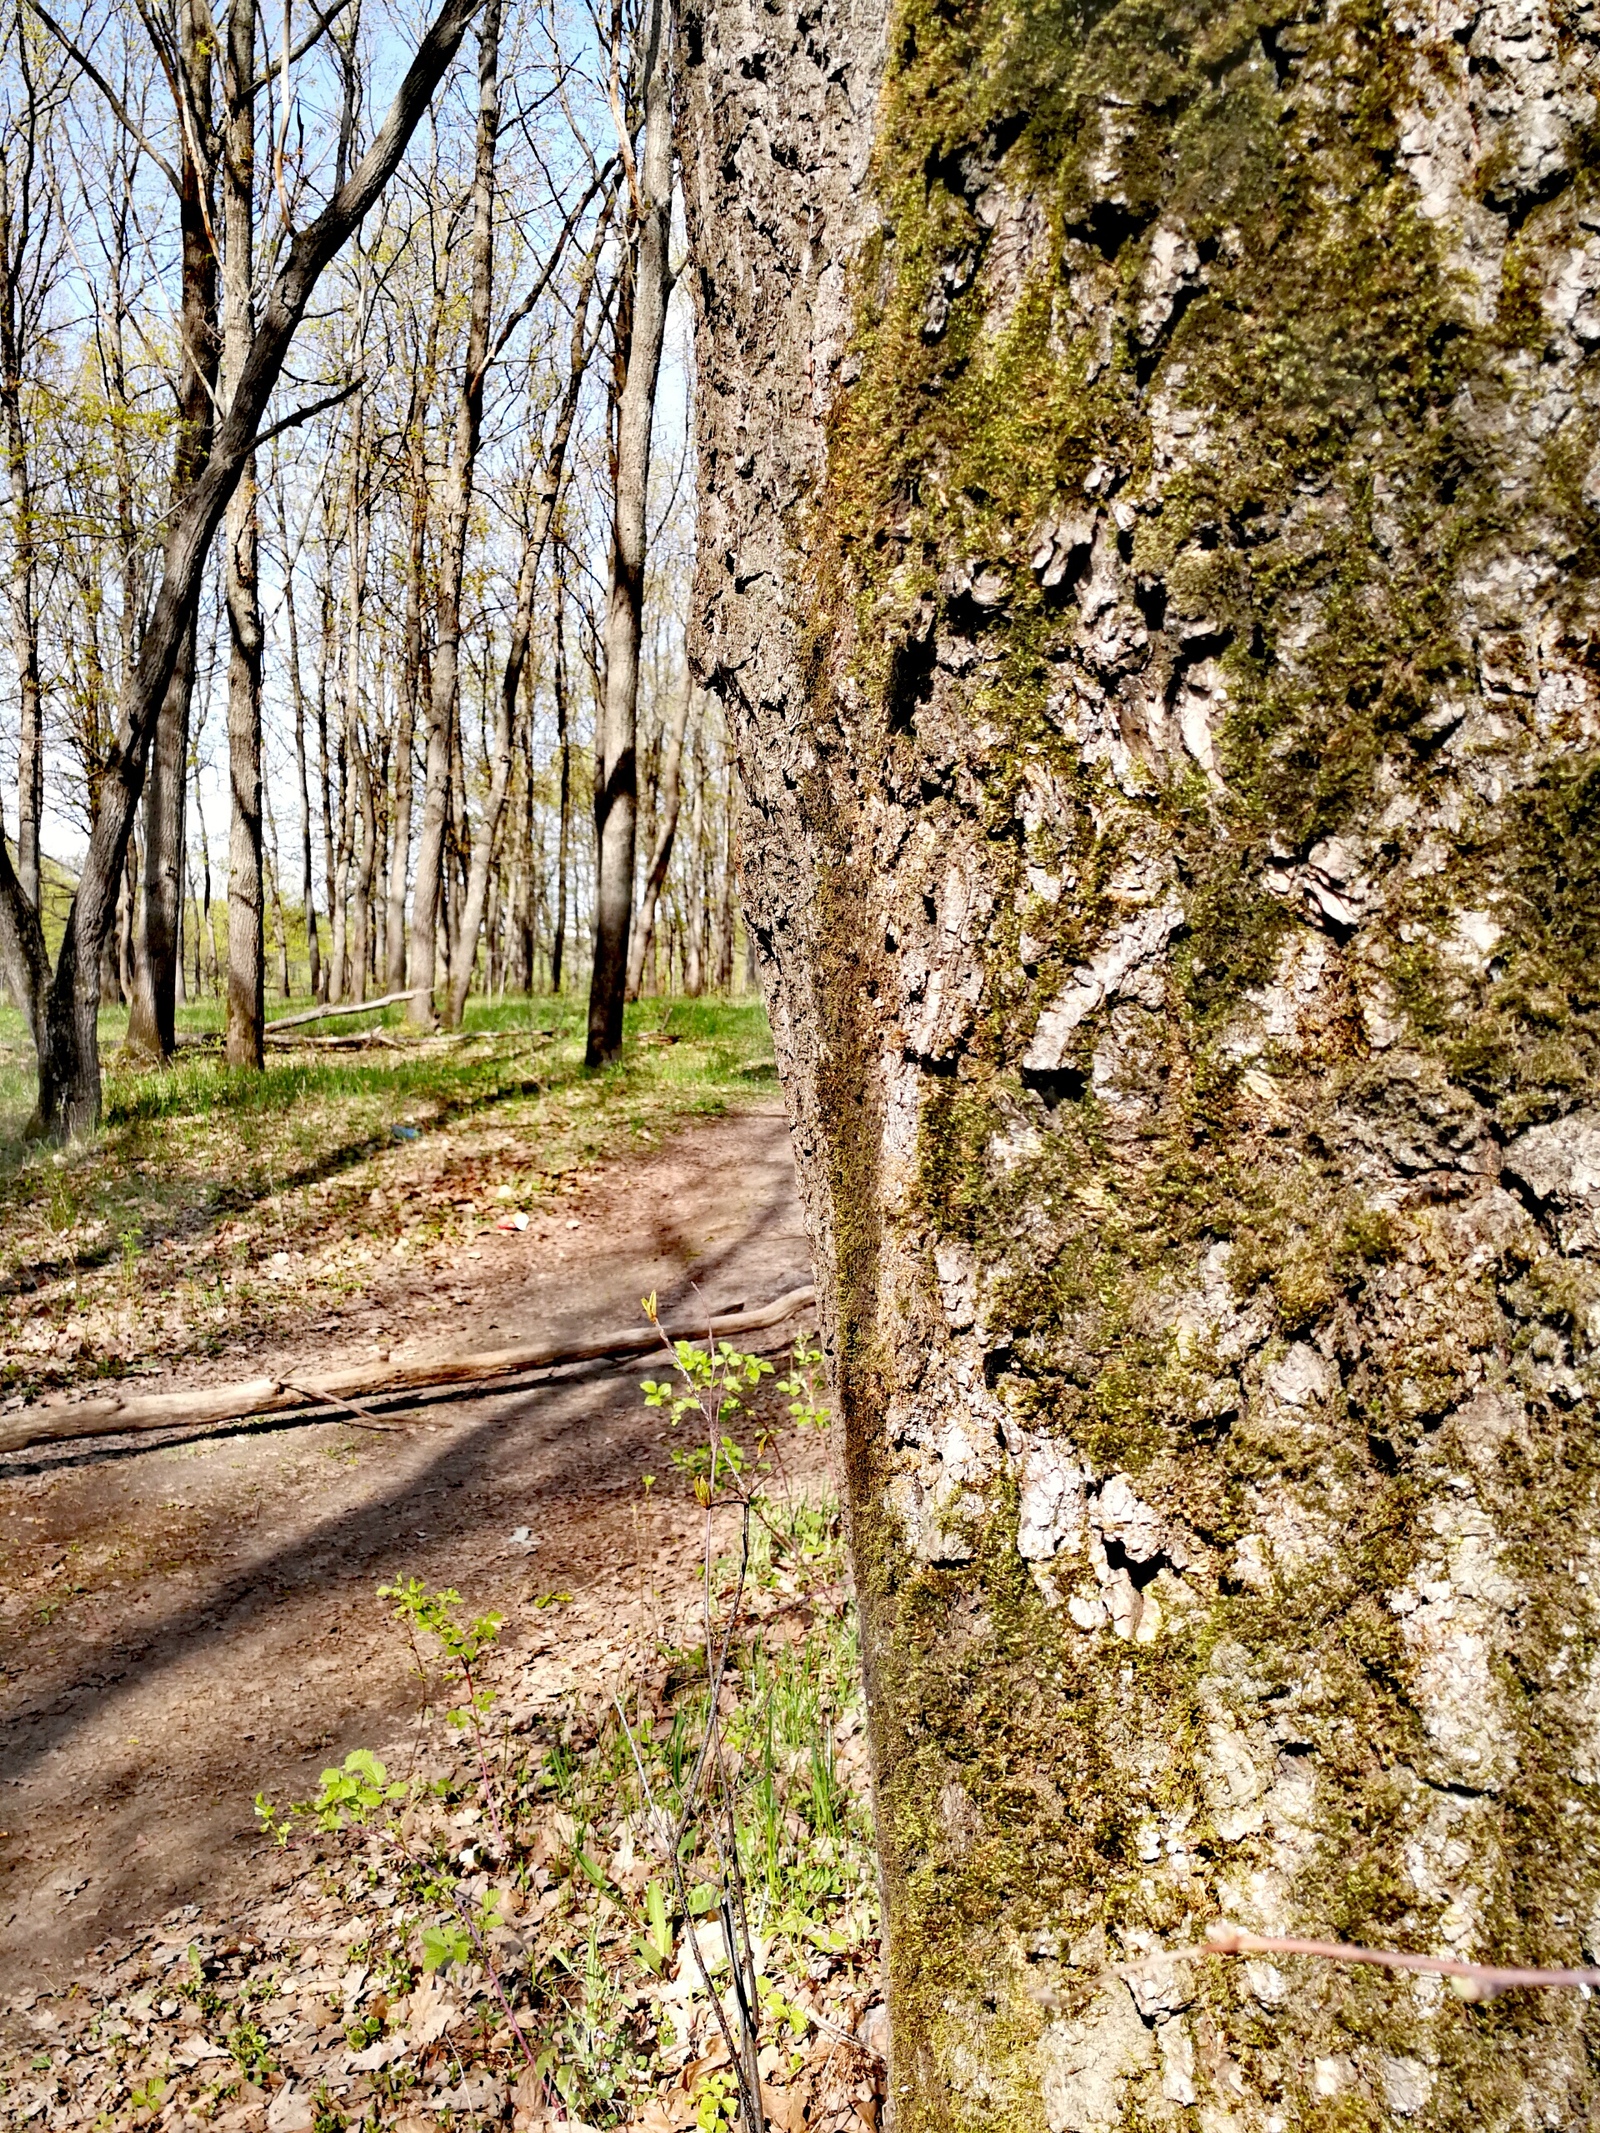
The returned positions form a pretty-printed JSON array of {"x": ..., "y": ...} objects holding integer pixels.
[
  {"x": 53, "y": 1422},
  {"x": 350, "y": 1007},
  {"x": 359, "y": 1041},
  {"x": 1225, "y": 1939}
]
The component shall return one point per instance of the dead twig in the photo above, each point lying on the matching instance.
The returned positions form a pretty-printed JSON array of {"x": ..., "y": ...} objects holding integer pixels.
[
  {"x": 362, "y": 1417},
  {"x": 1224, "y": 1938}
]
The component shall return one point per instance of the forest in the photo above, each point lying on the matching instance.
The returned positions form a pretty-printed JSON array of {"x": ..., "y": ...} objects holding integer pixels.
[
  {"x": 901, "y": 701},
  {"x": 387, "y": 747}
]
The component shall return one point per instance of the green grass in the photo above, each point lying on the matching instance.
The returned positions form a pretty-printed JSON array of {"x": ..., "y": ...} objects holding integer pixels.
[{"x": 149, "y": 1239}]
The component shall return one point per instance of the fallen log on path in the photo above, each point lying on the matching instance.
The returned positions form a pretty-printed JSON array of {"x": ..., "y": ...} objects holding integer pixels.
[{"x": 53, "y": 1422}]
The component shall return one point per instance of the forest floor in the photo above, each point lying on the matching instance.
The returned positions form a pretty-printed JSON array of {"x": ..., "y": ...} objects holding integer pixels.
[{"x": 190, "y": 1620}]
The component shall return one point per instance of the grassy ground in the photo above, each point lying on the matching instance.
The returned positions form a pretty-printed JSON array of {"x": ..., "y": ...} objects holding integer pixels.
[{"x": 211, "y": 1197}]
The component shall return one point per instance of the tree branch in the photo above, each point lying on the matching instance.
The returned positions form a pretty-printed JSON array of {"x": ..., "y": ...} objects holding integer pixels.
[{"x": 118, "y": 107}]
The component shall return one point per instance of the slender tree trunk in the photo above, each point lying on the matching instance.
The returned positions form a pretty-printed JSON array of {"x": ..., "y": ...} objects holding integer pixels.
[
  {"x": 325, "y": 780},
  {"x": 694, "y": 896},
  {"x": 297, "y": 692},
  {"x": 558, "y": 932},
  {"x": 246, "y": 915},
  {"x": 1154, "y": 611},
  {"x": 405, "y": 744},
  {"x": 616, "y": 771},
  {"x": 151, "y": 1024},
  {"x": 284, "y": 987},
  {"x": 359, "y": 814},
  {"x": 15, "y": 233},
  {"x": 722, "y": 929},
  {"x": 667, "y": 829},
  {"x": 444, "y": 708},
  {"x": 205, "y": 964}
]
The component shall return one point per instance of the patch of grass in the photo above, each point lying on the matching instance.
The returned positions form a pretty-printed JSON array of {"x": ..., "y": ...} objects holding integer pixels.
[
  {"x": 213, "y": 1202},
  {"x": 559, "y": 1927}
]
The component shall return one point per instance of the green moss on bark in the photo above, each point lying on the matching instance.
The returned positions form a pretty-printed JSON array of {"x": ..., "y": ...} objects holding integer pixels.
[{"x": 1338, "y": 364}]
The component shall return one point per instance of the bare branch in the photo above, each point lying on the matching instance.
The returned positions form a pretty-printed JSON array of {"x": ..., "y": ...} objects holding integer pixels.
[{"x": 87, "y": 65}]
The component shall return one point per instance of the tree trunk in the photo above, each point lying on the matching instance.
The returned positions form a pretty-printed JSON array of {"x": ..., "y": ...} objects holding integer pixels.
[
  {"x": 722, "y": 927},
  {"x": 667, "y": 830},
  {"x": 297, "y": 692},
  {"x": 405, "y": 746},
  {"x": 558, "y": 931},
  {"x": 285, "y": 987},
  {"x": 1147, "y": 557},
  {"x": 360, "y": 814},
  {"x": 16, "y": 234},
  {"x": 152, "y": 1027},
  {"x": 616, "y": 768},
  {"x": 444, "y": 708},
  {"x": 694, "y": 893},
  {"x": 246, "y": 915}
]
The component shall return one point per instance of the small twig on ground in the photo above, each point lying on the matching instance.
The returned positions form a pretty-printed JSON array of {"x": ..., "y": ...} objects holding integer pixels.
[
  {"x": 361, "y": 1417},
  {"x": 1224, "y": 1938}
]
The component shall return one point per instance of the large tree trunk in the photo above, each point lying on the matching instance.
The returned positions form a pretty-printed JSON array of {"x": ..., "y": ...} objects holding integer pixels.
[
  {"x": 615, "y": 746},
  {"x": 1147, "y": 556},
  {"x": 246, "y": 913}
]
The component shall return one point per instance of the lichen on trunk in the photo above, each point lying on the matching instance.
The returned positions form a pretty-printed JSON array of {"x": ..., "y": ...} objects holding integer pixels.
[{"x": 1150, "y": 462}]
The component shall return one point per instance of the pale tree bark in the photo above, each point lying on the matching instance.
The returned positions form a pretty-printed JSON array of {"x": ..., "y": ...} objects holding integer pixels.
[
  {"x": 412, "y": 695},
  {"x": 246, "y": 914},
  {"x": 69, "y": 1060},
  {"x": 444, "y": 705},
  {"x": 616, "y": 729},
  {"x": 360, "y": 808},
  {"x": 666, "y": 833},
  {"x": 558, "y": 929},
  {"x": 1147, "y": 559},
  {"x": 298, "y": 698},
  {"x": 694, "y": 893}
]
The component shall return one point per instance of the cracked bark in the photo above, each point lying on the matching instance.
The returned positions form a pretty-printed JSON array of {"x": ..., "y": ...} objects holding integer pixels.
[{"x": 1147, "y": 506}]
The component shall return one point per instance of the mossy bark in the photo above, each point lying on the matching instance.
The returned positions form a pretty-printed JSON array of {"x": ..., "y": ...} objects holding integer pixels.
[{"x": 1150, "y": 459}]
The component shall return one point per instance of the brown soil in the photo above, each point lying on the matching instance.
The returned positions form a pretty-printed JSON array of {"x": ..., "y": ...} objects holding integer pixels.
[{"x": 186, "y": 1621}]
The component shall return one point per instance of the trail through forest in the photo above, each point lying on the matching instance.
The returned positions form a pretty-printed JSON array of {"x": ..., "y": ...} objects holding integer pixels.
[{"x": 201, "y": 1619}]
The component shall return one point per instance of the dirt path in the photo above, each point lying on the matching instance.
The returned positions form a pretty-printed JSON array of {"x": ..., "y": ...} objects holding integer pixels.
[{"x": 183, "y": 1623}]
